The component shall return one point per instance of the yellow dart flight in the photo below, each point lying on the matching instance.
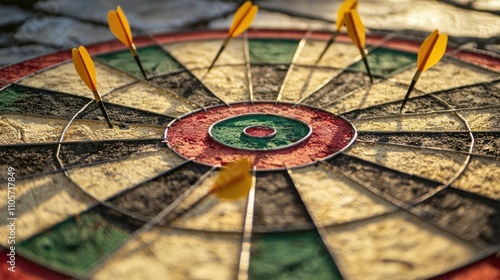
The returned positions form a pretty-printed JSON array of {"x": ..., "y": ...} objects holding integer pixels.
[
  {"x": 119, "y": 26},
  {"x": 243, "y": 17},
  {"x": 86, "y": 70},
  {"x": 346, "y": 6},
  {"x": 430, "y": 52},
  {"x": 356, "y": 31},
  {"x": 234, "y": 181}
]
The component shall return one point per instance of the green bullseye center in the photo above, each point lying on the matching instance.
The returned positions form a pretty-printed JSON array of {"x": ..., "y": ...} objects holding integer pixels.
[{"x": 289, "y": 132}]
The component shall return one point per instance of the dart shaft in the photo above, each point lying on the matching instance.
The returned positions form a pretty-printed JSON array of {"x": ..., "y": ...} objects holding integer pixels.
[
  {"x": 222, "y": 47},
  {"x": 134, "y": 53},
  {"x": 103, "y": 110},
  {"x": 410, "y": 89},
  {"x": 365, "y": 61},
  {"x": 327, "y": 46}
]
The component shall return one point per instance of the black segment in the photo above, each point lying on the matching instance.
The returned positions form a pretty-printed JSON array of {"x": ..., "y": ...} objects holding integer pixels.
[
  {"x": 415, "y": 105},
  {"x": 267, "y": 80},
  {"x": 278, "y": 204},
  {"x": 448, "y": 141},
  {"x": 467, "y": 215},
  {"x": 186, "y": 85},
  {"x": 78, "y": 153},
  {"x": 404, "y": 187},
  {"x": 487, "y": 144},
  {"x": 472, "y": 96},
  {"x": 28, "y": 159},
  {"x": 124, "y": 114},
  {"x": 150, "y": 198},
  {"x": 27, "y": 100},
  {"x": 344, "y": 83}
]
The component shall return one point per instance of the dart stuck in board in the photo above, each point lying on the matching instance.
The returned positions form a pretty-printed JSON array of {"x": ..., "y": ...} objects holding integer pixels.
[
  {"x": 86, "y": 70},
  {"x": 119, "y": 26},
  {"x": 241, "y": 21},
  {"x": 346, "y": 6},
  {"x": 357, "y": 33},
  {"x": 430, "y": 52}
]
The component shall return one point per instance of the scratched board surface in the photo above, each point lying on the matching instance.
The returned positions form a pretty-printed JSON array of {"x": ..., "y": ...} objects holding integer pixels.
[{"x": 369, "y": 193}]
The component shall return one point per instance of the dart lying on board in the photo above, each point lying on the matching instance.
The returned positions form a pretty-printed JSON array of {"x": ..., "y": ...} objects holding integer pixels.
[
  {"x": 241, "y": 21},
  {"x": 346, "y": 6},
  {"x": 86, "y": 70},
  {"x": 119, "y": 26},
  {"x": 356, "y": 31},
  {"x": 430, "y": 52}
]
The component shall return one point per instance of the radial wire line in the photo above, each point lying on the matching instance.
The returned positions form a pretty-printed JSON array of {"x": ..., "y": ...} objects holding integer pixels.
[
  {"x": 320, "y": 229},
  {"x": 156, "y": 220},
  {"x": 295, "y": 58},
  {"x": 248, "y": 66},
  {"x": 407, "y": 207},
  {"x": 244, "y": 263}
]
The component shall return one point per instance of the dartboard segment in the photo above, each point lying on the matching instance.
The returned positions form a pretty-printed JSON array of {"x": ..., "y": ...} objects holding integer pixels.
[
  {"x": 108, "y": 79},
  {"x": 227, "y": 80},
  {"x": 43, "y": 202},
  {"x": 351, "y": 202},
  {"x": 396, "y": 244}
]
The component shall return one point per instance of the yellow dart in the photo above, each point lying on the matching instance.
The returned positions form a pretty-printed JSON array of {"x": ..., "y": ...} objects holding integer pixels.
[
  {"x": 356, "y": 31},
  {"x": 243, "y": 17},
  {"x": 119, "y": 26},
  {"x": 234, "y": 181},
  {"x": 346, "y": 6},
  {"x": 86, "y": 70},
  {"x": 430, "y": 52}
]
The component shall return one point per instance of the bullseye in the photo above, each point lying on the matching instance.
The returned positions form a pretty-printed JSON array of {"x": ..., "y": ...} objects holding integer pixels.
[{"x": 259, "y": 131}]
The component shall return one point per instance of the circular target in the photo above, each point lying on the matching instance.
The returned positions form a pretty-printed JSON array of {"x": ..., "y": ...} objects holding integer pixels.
[
  {"x": 300, "y": 135},
  {"x": 345, "y": 185}
]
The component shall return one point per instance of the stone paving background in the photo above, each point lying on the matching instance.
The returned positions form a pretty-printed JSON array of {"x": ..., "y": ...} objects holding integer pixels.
[{"x": 30, "y": 28}]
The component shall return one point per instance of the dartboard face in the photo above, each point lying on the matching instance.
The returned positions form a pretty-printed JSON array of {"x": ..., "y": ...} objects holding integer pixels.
[{"x": 344, "y": 185}]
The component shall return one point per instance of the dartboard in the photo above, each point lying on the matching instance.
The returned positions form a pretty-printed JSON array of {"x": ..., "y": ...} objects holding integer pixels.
[{"x": 343, "y": 184}]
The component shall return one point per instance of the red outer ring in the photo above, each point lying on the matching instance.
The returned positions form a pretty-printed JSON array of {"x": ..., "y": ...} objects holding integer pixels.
[
  {"x": 13, "y": 73},
  {"x": 330, "y": 134}
]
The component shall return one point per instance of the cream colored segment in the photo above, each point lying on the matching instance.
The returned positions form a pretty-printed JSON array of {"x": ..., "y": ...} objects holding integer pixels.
[
  {"x": 397, "y": 246},
  {"x": 211, "y": 213},
  {"x": 42, "y": 202},
  {"x": 482, "y": 177},
  {"x": 146, "y": 97},
  {"x": 65, "y": 79},
  {"x": 86, "y": 130},
  {"x": 338, "y": 55},
  {"x": 105, "y": 180},
  {"x": 164, "y": 253},
  {"x": 488, "y": 119},
  {"x": 199, "y": 54},
  {"x": 447, "y": 74},
  {"x": 333, "y": 199},
  {"x": 304, "y": 80},
  {"x": 375, "y": 94},
  {"x": 18, "y": 129},
  {"x": 434, "y": 122},
  {"x": 227, "y": 82},
  {"x": 434, "y": 165}
]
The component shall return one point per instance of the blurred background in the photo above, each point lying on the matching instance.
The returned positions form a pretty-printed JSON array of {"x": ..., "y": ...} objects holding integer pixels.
[{"x": 30, "y": 28}]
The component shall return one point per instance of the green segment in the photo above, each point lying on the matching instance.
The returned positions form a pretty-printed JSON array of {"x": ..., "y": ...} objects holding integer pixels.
[
  {"x": 272, "y": 51},
  {"x": 288, "y": 131},
  {"x": 76, "y": 244},
  {"x": 291, "y": 256},
  {"x": 384, "y": 61},
  {"x": 154, "y": 60},
  {"x": 9, "y": 97}
]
